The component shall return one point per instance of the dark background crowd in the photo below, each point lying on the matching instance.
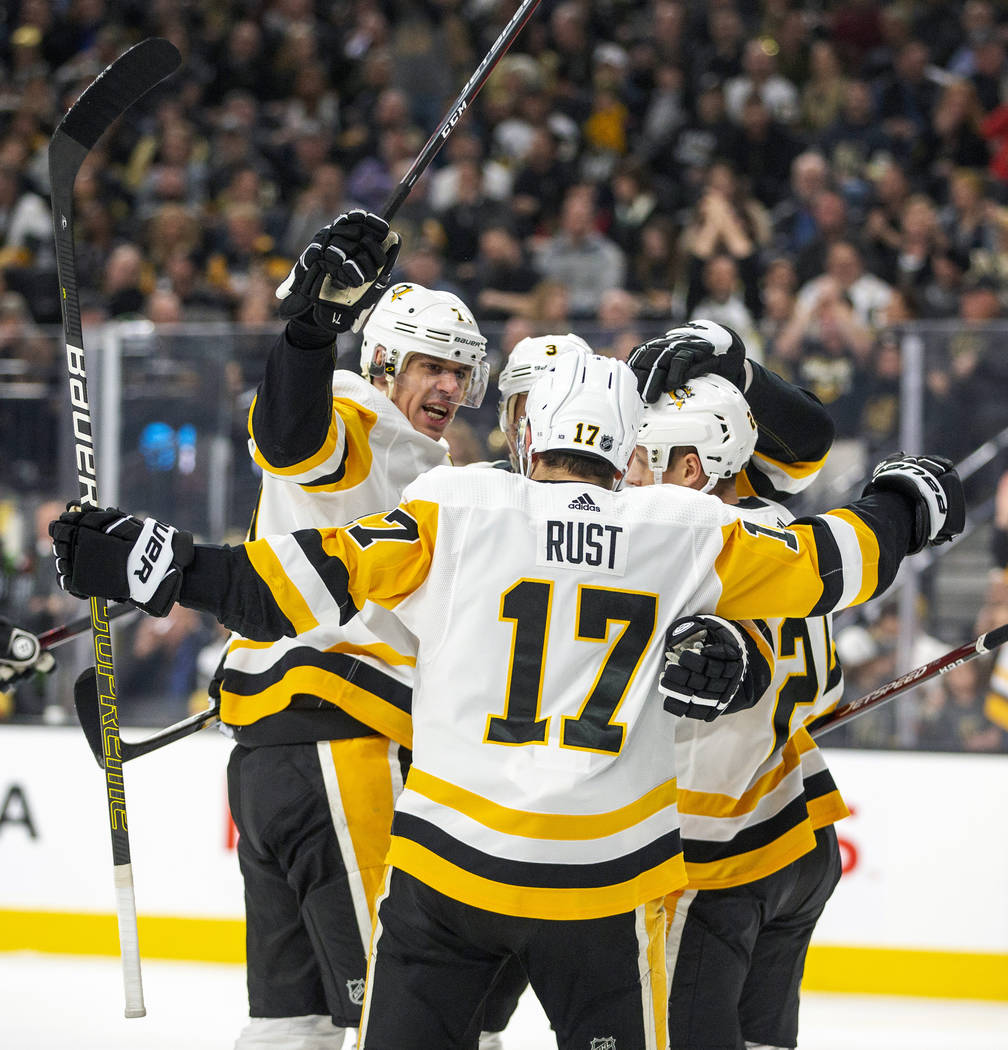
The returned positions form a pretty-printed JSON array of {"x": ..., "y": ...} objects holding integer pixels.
[{"x": 820, "y": 176}]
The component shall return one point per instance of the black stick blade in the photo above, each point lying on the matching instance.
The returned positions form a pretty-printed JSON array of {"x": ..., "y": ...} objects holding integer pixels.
[
  {"x": 86, "y": 704},
  {"x": 118, "y": 87}
]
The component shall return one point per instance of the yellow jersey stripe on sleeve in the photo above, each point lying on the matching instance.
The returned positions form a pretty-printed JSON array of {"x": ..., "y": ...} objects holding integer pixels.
[
  {"x": 868, "y": 544},
  {"x": 349, "y": 428},
  {"x": 521, "y": 823},
  {"x": 287, "y": 596}
]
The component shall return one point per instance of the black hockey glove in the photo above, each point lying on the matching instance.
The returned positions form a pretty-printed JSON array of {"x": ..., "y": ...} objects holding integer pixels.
[
  {"x": 108, "y": 554},
  {"x": 705, "y": 662},
  {"x": 340, "y": 276},
  {"x": 21, "y": 655},
  {"x": 695, "y": 349},
  {"x": 934, "y": 486}
]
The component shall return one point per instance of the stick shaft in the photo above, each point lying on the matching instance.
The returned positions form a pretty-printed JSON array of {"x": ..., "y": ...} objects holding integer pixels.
[
  {"x": 114, "y": 90},
  {"x": 459, "y": 106},
  {"x": 66, "y": 632},
  {"x": 940, "y": 665}
]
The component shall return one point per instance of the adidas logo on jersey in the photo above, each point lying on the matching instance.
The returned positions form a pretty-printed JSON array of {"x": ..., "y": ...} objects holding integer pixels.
[{"x": 584, "y": 502}]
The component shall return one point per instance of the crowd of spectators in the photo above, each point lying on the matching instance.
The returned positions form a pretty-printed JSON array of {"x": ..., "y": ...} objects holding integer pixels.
[{"x": 814, "y": 173}]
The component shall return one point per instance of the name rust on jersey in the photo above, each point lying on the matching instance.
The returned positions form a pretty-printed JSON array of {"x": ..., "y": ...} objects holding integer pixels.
[{"x": 597, "y": 545}]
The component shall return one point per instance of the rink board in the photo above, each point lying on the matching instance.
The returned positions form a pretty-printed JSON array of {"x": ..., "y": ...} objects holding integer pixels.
[{"x": 921, "y": 909}]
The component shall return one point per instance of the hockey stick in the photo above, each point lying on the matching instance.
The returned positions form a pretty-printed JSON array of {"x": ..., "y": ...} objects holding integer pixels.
[
  {"x": 459, "y": 106},
  {"x": 88, "y": 714},
  {"x": 940, "y": 665},
  {"x": 123, "y": 83},
  {"x": 68, "y": 631},
  {"x": 433, "y": 145}
]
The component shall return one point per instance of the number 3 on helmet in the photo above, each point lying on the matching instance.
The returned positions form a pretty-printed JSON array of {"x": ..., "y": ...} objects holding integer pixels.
[{"x": 411, "y": 319}]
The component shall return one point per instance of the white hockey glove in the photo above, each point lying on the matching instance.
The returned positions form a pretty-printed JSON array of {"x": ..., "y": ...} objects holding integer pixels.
[
  {"x": 705, "y": 661},
  {"x": 695, "y": 349},
  {"x": 21, "y": 655},
  {"x": 108, "y": 554},
  {"x": 340, "y": 276},
  {"x": 934, "y": 486}
]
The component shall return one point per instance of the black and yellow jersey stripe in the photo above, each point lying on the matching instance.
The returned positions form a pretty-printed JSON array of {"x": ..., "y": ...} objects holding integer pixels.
[
  {"x": 754, "y": 787},
  {"x": 331, "y": 448}
]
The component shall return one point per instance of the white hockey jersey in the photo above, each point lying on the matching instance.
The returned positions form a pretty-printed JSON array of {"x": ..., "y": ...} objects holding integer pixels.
[
  {"x": 543, "y": 776},
  {"x": 753, "y": 786},
  {"x": 370, "y": 454}
]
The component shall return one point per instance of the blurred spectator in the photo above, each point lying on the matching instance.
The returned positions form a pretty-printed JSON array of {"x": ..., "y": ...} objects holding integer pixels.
[
  {"x": 726, "y": 221},
  {"x": 177, "y": 173},
  {"x": 954, "y": 719},
  {"x": 761, "y": 80},
  {"x": 423, "y": 262},
  {"x": 25, "y": 224},
  {"x": 907, "y": 98},
  {"x": 954, "y": 138},
  {"x": 578, "y": 255},
  {"x": 314, "y": 207},
  {"x": 539, "y": 185},
  {"x": 793, "y": 218},
  {"x": 706, "y": 136},
  {"x": 653, "y": 270},
  {"x": 762, "y": 151},
  {"x": 845, "y": 275},
  {"x": 825, "y": 349},
  {"x": 462, "y": 218},
  {"x": 465, "y": 149},
  {"x": 831, "y": 222},
  {"x": 157, "y": 672},
  {"x": 719, "y": 50},
  {"x": 504, "y": 274},
  {"x": 823, "y": 94},
  {"x": 240, "y": 245},
  {"x": 966, "y": 220},
  {"x": 126, "y": 282},
  {"x": 722, "y": 299},
  {"x": 634, "y": 203},
  {"x": 853, "y": 140},
  {"x": 617, "y": 316}
]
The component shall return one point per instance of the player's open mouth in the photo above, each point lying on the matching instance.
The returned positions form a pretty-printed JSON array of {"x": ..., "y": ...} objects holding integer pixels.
[{"x": 436, "y": 413}]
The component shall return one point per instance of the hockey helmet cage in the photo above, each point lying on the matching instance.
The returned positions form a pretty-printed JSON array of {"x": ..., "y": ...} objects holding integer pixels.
[
  {"x": 586, "y": 404},
  {"x": 411, "y": 319},
  {"x": 708, "y": 413},
  {"x": 529, "y": 357}
]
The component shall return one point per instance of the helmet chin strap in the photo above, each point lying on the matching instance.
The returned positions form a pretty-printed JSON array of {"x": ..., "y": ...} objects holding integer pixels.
[{"x": 710, "y": 483}]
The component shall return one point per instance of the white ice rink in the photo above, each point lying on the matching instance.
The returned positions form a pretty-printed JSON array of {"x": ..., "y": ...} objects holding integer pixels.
[{"x": 50, "y": 1002}]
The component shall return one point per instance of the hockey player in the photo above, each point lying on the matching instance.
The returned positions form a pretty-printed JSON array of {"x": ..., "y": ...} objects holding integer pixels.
[
  {"x": 538, "y": 816},
  {"x": 21, "y": 655},
  {"x": 311, "y": 787},
  {"x": 529, "y": 358},
  {"x": 756, "y": 800}
]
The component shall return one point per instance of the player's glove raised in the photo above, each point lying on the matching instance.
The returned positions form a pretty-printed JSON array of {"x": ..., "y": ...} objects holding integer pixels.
[
  {"x": 936, "y": 490},
  {"x": 705, "y": 661},
  {"x": 340, "y": 276},
  {"x": 21, "y": 655},
  {"x": 694, "y": 349},
  {"x": 108, "y": 554}
]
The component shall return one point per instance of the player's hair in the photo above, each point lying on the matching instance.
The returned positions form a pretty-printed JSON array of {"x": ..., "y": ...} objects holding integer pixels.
[{"x": 589, "y": 468}]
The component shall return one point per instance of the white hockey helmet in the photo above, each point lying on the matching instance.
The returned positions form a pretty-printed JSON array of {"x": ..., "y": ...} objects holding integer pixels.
[
  {"x": 585, "y": 404},
  {"x": 708, "y": 413},
  {"x": 411, "y": 319},
  {"x": 531, "y": 356}
]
